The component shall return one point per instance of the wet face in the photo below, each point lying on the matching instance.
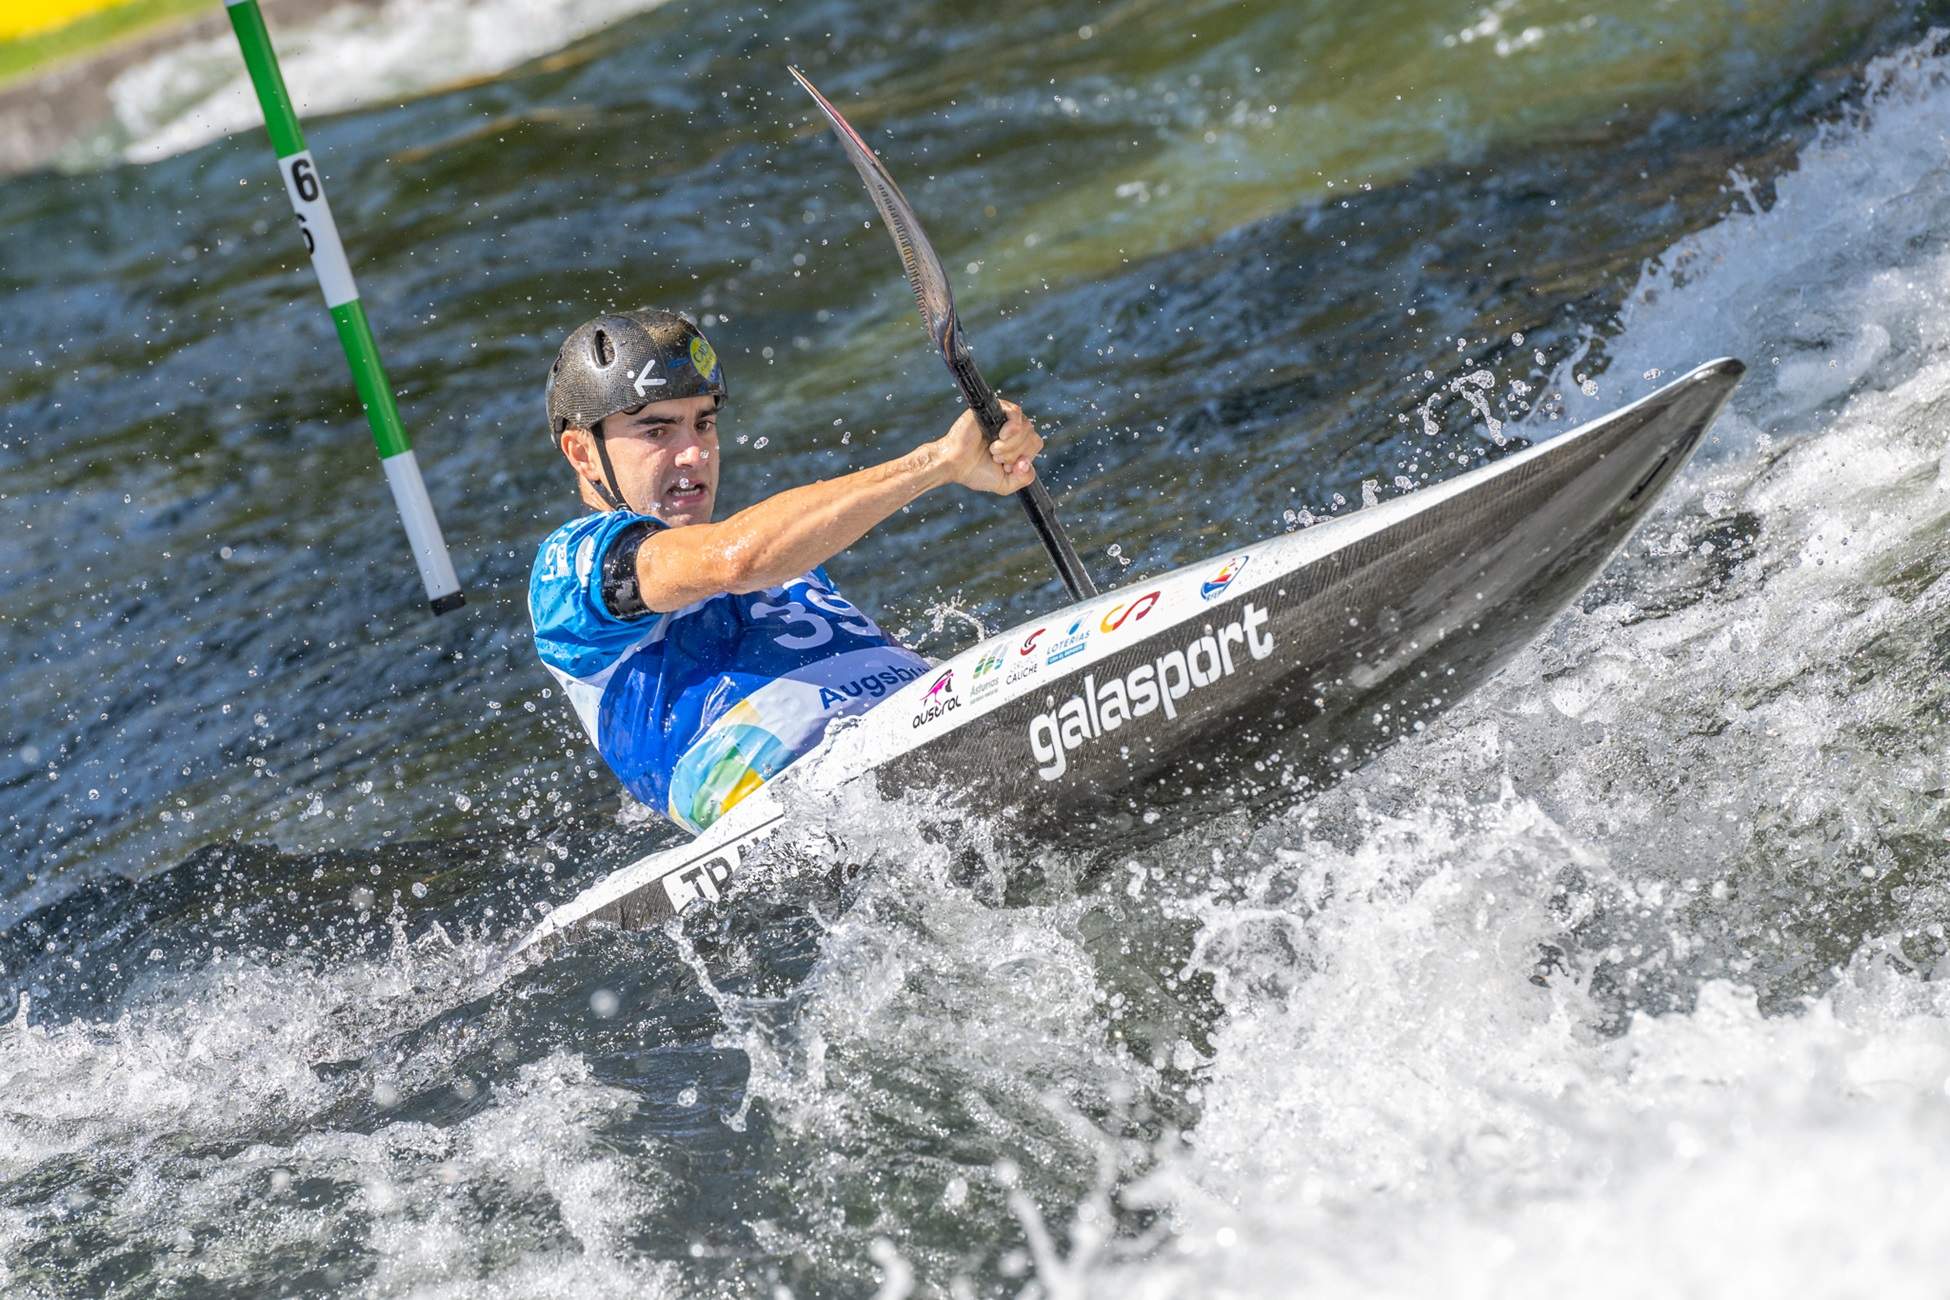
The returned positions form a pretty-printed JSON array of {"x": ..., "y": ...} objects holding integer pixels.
[{"x": 665, "y": 455}]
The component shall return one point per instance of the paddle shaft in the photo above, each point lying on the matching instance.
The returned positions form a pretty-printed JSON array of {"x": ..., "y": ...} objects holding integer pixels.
[{"x": 1035, "y": 498}]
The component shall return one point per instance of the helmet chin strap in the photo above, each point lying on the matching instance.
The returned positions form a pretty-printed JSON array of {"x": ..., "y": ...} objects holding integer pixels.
[{"x": 612, "y": 497}]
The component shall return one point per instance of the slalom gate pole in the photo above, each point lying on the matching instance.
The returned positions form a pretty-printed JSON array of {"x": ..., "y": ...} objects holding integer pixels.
[{"x": 307, "y": 194}]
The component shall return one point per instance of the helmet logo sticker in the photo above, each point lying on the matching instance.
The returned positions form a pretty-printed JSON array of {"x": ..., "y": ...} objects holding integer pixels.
[
  {"x": 703, "y": 356},
  {"x": 643, "y": 380}
]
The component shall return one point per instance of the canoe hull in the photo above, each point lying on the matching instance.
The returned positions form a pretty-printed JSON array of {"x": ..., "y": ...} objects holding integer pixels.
[{"x": 1265, "y": 671}]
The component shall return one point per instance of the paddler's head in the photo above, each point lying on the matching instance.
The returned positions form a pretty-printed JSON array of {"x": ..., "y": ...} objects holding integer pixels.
[{"x": 633, "y": 403}]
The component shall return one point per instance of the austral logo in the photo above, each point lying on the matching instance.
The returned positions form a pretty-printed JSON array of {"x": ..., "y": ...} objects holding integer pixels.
[
  {"x": 1219, "y": 581},
  {"x": 1099, "y": 708},
  {"x": 939, "y": 700},
  {"x": 1127, "y": 612}
]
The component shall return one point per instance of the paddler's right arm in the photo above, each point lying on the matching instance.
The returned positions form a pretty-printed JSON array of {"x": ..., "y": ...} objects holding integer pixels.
[{"x": 785, "y": 535}]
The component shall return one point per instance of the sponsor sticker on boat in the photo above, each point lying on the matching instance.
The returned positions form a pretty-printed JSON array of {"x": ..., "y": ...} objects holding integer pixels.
[
  {"x": 701, "y": 880},
  {"x": 940, "y": 700},
  {"x": 1101, "y": 707},
  {"x": 1024, "y": 663},
  {"x": 1128, "y": 611},
  {"x": 987, "y": 677},
  {"x": 1072, "y": 642},
  {"x": 1218, "y": 582}
]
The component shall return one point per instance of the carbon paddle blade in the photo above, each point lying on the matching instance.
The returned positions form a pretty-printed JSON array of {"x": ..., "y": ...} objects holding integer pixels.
[
  {"x": 929, "y": 281},
  {"x": 924, "y": 271}
]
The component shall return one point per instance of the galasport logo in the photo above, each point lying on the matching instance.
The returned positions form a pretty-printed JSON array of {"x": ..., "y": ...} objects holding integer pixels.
[
  {"x": 1219, "y": 581},
  {"x": 1128, "y": 612},
  {"x": 939, "y": 700},
  {"x": 1100, "y": 708},
  {"x": 704, "y": 879}
]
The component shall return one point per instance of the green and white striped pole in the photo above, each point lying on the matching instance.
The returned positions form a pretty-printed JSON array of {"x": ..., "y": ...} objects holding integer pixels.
[{"x": 307, "y": 192}]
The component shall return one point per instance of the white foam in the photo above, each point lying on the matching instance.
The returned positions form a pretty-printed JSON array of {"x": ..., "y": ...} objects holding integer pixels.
[
  {"x": 1841, "y": 278},
  {"x": 1394, "y": 1109},
  {"x": 234, "y": 1051},
  {"x": 348, "y": 56}
]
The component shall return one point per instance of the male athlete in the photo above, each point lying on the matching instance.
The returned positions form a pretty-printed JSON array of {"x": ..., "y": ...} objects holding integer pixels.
[{"x": 704, "y": 657}]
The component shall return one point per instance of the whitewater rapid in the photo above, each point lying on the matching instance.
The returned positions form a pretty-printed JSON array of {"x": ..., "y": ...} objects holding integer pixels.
[
  {"x": 1617, "y": 981},
  {"x": 1727, "y": 808},
  {"x": 343, "y": 57}
]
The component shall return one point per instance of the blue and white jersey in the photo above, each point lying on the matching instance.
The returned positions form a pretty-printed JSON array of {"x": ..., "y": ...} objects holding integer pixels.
[{"x": 693, "y": 710}]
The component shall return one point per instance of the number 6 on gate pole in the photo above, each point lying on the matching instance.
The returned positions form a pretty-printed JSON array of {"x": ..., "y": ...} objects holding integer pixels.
[{"x": 307, "y": 193}]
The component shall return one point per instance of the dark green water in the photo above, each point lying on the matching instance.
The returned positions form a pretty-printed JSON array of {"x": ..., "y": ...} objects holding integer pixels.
[{"x": 264, "y": 817}]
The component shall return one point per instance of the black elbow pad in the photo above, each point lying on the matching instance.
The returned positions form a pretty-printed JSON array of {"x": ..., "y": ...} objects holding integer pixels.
[{"x": 620, "y": 594}]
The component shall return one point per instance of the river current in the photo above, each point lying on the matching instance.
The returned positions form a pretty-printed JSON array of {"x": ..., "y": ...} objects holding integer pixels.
[{"x": 1617, "y": 980}]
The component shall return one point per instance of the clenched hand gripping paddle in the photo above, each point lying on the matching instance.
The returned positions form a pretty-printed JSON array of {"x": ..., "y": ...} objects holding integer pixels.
[{"x": 937, "y": 300}]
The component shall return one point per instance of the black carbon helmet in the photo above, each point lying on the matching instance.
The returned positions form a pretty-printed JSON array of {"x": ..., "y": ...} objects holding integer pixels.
[{"x": 614, "y": 363}]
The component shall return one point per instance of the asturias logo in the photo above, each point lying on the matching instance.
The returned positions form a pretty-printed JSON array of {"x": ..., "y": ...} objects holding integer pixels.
[
  {"x": 986, "y": 680},
  {"x": 1219, "y": 581}
]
